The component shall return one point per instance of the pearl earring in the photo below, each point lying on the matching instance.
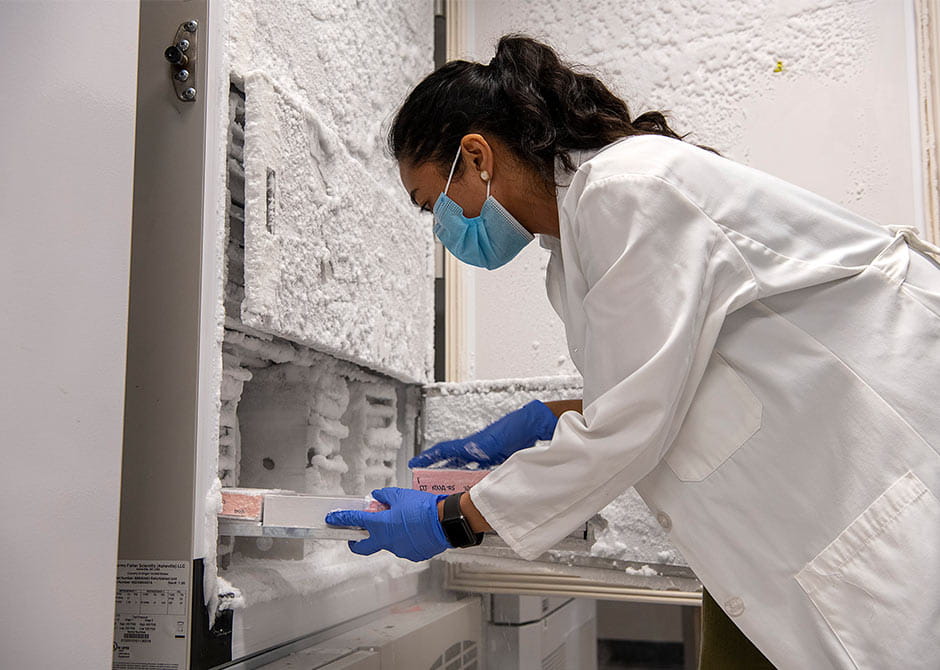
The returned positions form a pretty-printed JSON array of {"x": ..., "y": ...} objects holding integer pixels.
[{"x": 485, "y": 176}]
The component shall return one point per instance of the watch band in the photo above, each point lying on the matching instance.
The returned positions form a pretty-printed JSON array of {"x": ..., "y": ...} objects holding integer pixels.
[{"x": 456, "y": 527}]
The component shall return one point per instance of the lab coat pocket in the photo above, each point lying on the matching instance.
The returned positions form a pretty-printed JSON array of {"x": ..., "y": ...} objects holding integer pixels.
[
  {"x": 724, "y": 414},
  {"x": 876, "y": 584}
]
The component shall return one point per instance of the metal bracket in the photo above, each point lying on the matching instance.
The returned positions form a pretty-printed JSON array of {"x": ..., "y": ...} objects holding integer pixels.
[{"x": 181, "y": 55}]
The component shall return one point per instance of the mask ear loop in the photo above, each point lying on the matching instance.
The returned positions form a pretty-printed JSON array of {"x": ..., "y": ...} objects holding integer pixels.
[
  {"x": 450, "y": 177},
  {"x": 452, "y": 168}
]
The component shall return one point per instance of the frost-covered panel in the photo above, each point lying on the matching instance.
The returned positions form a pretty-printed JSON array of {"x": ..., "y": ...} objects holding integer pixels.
[
  {"x": 335, "y": 258},
  {"x": 456, "y": 409},
  {"x": 331, "y": 260},
  {"x": 814, "y": 91}
]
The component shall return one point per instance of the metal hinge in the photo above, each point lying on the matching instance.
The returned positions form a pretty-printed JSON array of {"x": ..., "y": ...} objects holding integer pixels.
[{"x": 181, "y": 56}]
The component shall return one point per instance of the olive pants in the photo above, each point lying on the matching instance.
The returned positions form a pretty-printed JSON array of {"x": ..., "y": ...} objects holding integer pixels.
[{"x": 724, "y": 646}]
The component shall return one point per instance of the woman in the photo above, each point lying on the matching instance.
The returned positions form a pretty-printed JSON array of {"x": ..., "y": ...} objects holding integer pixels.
[{"x": 757, "y": 362}]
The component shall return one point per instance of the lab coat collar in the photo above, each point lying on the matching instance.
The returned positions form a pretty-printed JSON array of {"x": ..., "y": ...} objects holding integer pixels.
[
  {"x": 563, "y": 178},
  {"x": 579, "y": 157},
  {"x": 548, "y": 242},
  {"x": 563, "y": 175},
  {"x": 562, "y": 182}
]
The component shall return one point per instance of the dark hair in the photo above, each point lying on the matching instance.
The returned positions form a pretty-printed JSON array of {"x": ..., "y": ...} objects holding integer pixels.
[{"x": 527, "y": 97}]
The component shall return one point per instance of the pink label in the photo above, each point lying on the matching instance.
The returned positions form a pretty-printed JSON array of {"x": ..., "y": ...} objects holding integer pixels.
[
  {"x": 242, "y": 505},
  {"x": 444, "y": 480}
]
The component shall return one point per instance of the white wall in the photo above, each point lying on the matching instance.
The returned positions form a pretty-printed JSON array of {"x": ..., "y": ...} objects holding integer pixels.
[
  {"x": 66, "y": 176},
  {"x": 838, "y": 119}
]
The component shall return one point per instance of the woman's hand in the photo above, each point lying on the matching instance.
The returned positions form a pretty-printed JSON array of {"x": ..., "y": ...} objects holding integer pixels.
[
  {"x": 410, "y": 528},
  {"x": 495, "y": 443}
]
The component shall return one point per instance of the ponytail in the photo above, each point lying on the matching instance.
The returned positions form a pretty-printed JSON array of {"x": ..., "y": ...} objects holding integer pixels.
[{"x": 538, "y": 106}]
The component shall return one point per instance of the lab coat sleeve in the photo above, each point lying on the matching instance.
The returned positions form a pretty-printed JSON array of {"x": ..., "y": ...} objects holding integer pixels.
[{"x": 661, "y": 276}]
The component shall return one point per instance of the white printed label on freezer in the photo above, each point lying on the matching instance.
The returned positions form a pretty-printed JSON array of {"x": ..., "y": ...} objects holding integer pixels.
[{"x": 151, "y": 619}]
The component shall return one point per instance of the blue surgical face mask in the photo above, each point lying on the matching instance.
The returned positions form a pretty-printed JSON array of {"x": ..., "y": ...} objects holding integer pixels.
[{"x": 489, "y": 240}]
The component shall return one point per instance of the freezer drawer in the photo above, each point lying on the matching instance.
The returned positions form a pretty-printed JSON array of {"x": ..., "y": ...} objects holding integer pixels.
[
  {"x": 328, "y": 659},
  {"x": 424, "y": 635}
]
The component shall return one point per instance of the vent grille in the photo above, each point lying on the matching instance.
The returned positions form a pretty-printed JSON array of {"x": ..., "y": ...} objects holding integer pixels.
[
  {"x": 555, "y": 660},
  {"x": 458, "y": 656}
]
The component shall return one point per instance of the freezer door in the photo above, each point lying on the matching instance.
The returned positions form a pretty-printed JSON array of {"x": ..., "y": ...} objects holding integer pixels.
[
  {"x": 621, "y": 554},
  {"x": 327, "y": 235}
]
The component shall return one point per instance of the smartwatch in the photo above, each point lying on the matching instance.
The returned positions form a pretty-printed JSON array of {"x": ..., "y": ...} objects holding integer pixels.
[{"x": 455, "y": 524}]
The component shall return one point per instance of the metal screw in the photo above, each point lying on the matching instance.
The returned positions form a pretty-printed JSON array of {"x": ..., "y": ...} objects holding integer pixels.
[
  {"x": 191, "y": 26},
  {"x": 189, "y": 94},
  {"x": 183, "y": 45},
  {"x": 182, "y": 75}
]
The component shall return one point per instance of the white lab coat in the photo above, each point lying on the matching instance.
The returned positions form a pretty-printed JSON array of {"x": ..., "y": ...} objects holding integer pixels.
[{"x": 763, "y": 366}]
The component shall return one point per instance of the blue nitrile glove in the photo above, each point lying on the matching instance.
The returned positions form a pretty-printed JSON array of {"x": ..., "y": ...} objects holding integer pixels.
[
  {"x": 410, "y": 528},
  {"x": 495, "y": 443}
]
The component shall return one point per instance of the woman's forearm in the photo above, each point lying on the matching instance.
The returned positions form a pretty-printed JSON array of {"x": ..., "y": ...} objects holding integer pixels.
[
  {"x": 560, "y": 406},
  {"x": 477, "y": 523}
]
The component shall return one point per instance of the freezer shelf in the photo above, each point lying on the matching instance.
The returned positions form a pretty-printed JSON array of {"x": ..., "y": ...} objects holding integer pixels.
[
  {"x": 233, "y": 528},
  {"x": 577, "y": 579},
  {"x": 568, "y": 569}
]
